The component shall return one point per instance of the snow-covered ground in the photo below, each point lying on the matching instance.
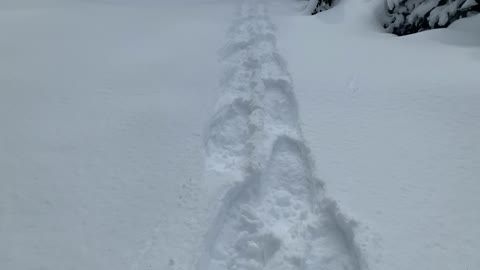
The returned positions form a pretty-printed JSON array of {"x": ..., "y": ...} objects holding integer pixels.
[
  {"x": 394, "y": 126},
  {"x": 103, "y": 107},
  {"x": 211, "y": 135}
]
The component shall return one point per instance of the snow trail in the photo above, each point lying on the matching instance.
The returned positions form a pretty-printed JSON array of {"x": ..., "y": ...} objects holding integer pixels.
[{"x": 277, "y": 216}]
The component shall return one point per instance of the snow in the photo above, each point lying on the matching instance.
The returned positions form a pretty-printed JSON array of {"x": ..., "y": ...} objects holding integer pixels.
[
  {"x": 393, "y": 124},
  {"x": 421, "y": 10},
  {"x": 208, "y": 135},
  {"x": 276, "y": 216},
  {"x": 103, "y": 108},
  {"x": 441, "y": 14}
]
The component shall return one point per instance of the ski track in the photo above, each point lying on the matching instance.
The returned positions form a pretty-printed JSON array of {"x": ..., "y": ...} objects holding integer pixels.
[{"x": 277, "y": 217}]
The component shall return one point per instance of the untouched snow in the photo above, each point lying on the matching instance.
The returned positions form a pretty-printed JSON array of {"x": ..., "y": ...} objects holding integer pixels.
[
  {"x": 215, "y": 135},
  {"x": 102, "y": 109}
]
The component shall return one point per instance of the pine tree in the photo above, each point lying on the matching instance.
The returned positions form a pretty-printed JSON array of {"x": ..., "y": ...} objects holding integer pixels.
[
  {"x": 410, "y": 16},
  {"x": 320, "y": 5}
]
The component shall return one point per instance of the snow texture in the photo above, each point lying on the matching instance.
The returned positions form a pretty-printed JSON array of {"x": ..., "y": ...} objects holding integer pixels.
[
  {"x": 411, "y": 16},
  {"x": 127, "y": 144},
  {"x": 277, "y": 215}
]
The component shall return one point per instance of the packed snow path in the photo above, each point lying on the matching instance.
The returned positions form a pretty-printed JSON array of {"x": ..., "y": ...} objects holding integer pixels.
[{"x": 276, "y": 215}]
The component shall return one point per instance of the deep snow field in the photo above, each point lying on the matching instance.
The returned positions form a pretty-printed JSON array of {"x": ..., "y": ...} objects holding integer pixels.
[{"x": 215, "y": 135}]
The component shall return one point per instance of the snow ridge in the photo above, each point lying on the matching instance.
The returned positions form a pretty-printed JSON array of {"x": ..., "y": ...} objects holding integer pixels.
[{"x": 276, "y": 216}]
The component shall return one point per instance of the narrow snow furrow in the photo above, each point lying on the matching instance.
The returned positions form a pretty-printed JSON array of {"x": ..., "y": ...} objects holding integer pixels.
[{"x": 277, "y": 217}]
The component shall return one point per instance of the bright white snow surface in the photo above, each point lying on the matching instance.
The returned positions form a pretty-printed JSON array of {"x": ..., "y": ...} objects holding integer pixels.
[
  {"x": 215, "y": 135},
  {"x": 103, "y": 106}
]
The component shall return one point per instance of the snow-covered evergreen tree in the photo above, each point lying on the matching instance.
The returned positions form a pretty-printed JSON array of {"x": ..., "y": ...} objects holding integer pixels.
[
  {"x": 410, "y": 16},
  {"x": 317, "y": 6}
]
